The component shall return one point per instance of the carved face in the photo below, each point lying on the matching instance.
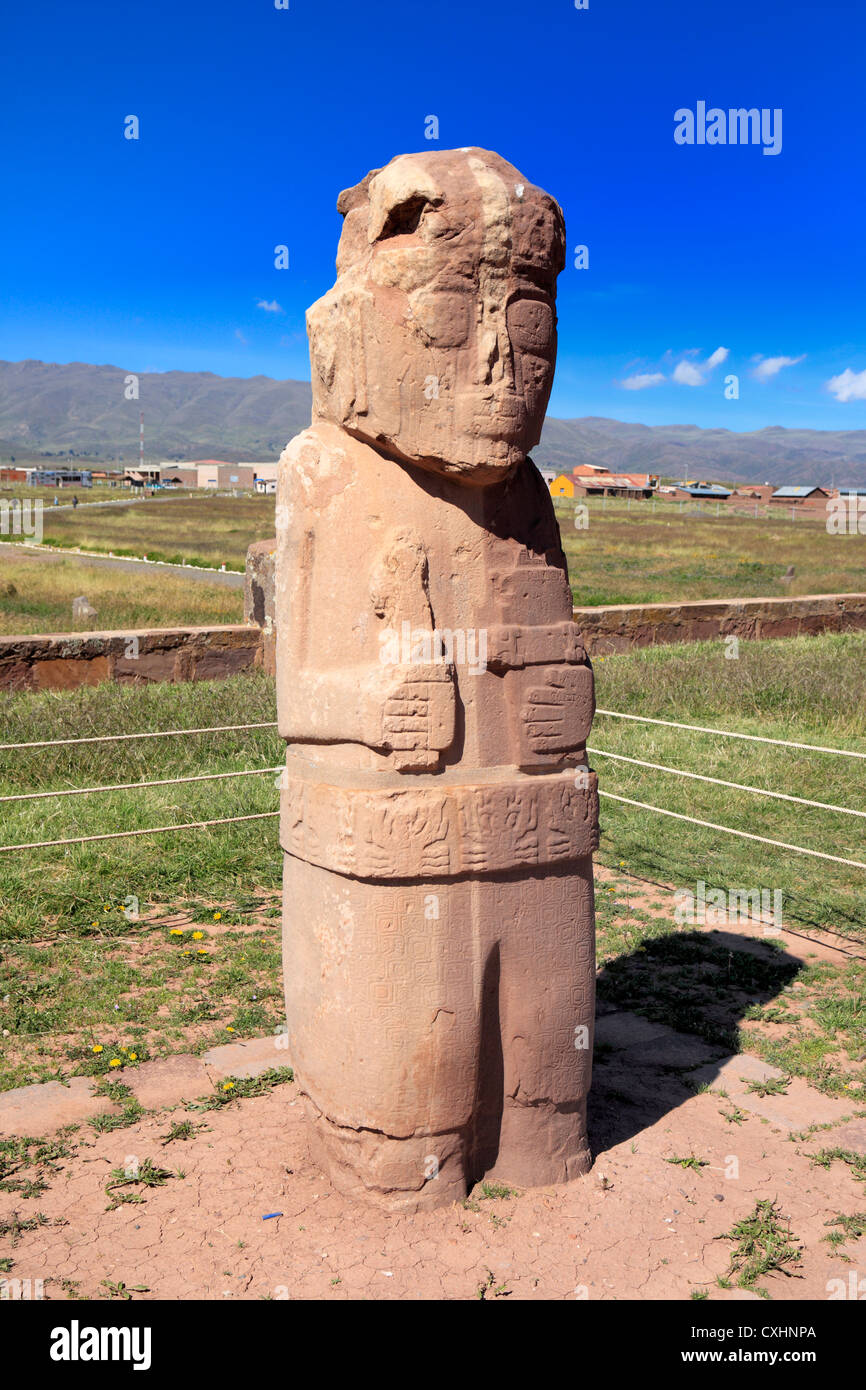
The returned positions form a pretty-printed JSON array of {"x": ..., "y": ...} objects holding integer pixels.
[{"x": 438, "y": 341}]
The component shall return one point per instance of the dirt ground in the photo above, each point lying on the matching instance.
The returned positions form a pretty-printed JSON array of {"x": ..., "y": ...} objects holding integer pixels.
[
  {"x": 687, "y": 1139},
  {"x": 637, "y": 1226}
]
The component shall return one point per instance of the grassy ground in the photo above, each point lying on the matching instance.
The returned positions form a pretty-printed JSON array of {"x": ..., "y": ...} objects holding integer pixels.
[
  {"x": 639, "y": 554},
  {"x": 196, "y": 528},
  {"x": 77, "y": 972},
  {"x": 99, "y": 492},
  {"x": 809, "y": 690},
  {"x": 649, "y": 552},
  {"x": 36, "y": 593},
  {"x": 76, "y": 969},
  {"x": 806, "y": 1017}
]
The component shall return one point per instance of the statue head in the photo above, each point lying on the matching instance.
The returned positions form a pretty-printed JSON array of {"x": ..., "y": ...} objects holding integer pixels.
[{"x": 437, "y": 343}]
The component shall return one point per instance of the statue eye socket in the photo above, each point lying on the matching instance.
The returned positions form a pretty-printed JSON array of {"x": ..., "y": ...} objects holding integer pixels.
[
  {"x": 403, "y": 219},
  {"x": 530, "y": 325}
]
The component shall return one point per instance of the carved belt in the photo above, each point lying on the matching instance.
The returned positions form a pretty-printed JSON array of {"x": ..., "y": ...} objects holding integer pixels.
[{"x": 431, "y": 831}]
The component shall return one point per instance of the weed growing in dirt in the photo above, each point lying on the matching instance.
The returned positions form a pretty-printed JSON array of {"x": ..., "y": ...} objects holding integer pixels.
[
  {"x": 242, "y": 1088},
  {"x": 763, "y": 1246}
]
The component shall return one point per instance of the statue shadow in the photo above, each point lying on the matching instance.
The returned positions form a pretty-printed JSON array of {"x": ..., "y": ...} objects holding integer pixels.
[{"x": 668, "y": 1018}]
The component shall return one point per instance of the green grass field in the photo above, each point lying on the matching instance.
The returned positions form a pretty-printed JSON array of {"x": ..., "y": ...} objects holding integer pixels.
[
  {"x": 36, "y": 593},
  {"x": 76, "y": 972},
  {"x": 194, "y": 527},
  {"x": 807, "y": 690},
  {"x": 639, "y": 555}
]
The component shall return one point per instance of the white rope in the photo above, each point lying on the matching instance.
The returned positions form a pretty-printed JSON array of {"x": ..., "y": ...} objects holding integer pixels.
[
  {"x": 719, "y": 782},
  {"x": 117, "y": 738},
  {"x": 132, "y": 786},
  {"x": 153, "y": 830},
  {"x": 728, "y": 830},
  {"x": 727, "y": 733}
]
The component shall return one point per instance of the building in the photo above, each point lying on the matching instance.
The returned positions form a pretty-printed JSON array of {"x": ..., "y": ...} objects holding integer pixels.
[
  {"x": 749, "y": 499},
  {"x": 801, "y": 496},
  {"x": 147, "y": 476},
  {"x": 702, "y": 492},
  {"x": 266, "y": 485},
  {"x": 59, "y": 477},
  {"x": 178, "y": 475},
  {"x": 592, "y": 482},
  {"x": 267, "y": 470},
  {"x": 562, "y": 486},
  {"x": 217, "y": 473}
]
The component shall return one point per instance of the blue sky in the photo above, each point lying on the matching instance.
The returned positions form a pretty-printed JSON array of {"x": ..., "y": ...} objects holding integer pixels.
[{"x": 704, "y": 260}]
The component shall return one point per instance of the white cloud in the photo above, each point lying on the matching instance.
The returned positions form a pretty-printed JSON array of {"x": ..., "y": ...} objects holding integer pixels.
[
  {"x": 716, "y": 358},
  {"x": 240, "y": 337},
  {"x": 848, "y": 385},
  {"x": 270, "y": 306},
  {"x": 690, "y": 374},
  {"x": 687, "y": 374},
  {"x": 771, "y": 366},
  {"x": 641, "y": 380}
]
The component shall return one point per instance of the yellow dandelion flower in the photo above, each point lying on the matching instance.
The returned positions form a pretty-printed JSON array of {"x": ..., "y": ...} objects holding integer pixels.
[
  {"x": 94, "y": 924},
  {"x": 229, "y": 1028},
  {"x": 133, "y": 1056},
  {"x": 228, "y": 1085},
  {"x": 98, "y": 1047},
  {"x": 107, "y": 907},
  {"x": 197, "y": 935},
  {"x": 186, "y": 953},
  {"x": 115, "y": 1062},
  {"x": 175, "y": 931},
  {"x": 217, "y": 916},
  {"x": 202, "y": 951}
]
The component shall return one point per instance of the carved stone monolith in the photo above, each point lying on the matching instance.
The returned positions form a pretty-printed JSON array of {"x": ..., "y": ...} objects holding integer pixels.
[{"x": 437, "y": 813}]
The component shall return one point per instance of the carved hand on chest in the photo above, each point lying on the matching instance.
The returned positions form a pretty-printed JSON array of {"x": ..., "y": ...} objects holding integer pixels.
[{"x": 420, "y": 705}]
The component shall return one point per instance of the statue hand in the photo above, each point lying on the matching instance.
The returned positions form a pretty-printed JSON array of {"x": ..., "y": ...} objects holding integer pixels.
[{"x": 418, "y": 720}]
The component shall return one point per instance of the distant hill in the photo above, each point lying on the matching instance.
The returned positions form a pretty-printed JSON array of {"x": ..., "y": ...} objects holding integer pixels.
[
  {"x": 47, "y": 408},
  {"x": 773, "y": 455},
  {"x": 187, "y": 415}
]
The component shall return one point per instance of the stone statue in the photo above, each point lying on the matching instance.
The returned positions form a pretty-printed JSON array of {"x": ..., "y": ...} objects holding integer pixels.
[{"x": 437, "y": 813}]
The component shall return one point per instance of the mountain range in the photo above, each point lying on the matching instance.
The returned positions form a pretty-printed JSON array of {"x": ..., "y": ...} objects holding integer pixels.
[{"x": 47, "y": 409}]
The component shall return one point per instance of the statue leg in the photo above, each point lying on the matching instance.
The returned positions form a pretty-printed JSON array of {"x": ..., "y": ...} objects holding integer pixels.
[
  {"x": 547, "y": 1008},
  {"x": 382, "y": 1032}
]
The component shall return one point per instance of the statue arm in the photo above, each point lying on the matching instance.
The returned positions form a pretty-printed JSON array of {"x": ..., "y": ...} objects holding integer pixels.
[{"x": 407, "y": 711}]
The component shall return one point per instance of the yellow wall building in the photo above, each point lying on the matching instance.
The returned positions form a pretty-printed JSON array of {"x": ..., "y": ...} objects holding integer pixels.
[{"x": 562, "y": 486}]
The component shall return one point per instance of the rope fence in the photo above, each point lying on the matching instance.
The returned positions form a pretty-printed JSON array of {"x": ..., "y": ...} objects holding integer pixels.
[
  {"x": 596, "y": 752},
  {"x": 729, "y": 830},
  {"x": 133, "y": 786},
  {"x": 718, "y": 781},
  {"x": 728, "y": 733},
  {"x": 151, "y": 830},
  {"x": 122, "y": 738}
]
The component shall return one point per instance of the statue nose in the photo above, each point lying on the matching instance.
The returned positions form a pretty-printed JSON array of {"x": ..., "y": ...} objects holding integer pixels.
[{"x": 497, "y": 357}]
